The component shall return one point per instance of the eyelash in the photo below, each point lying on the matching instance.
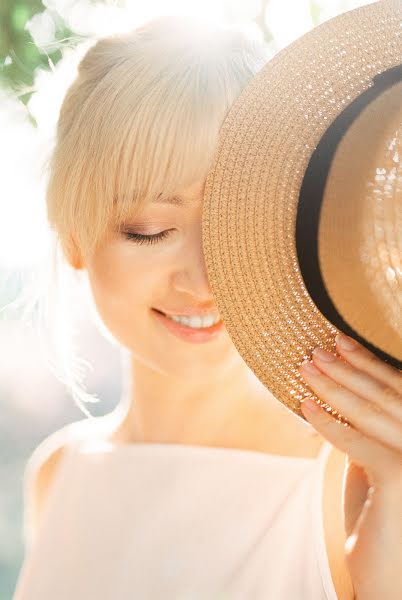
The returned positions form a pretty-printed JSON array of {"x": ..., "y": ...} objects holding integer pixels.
[{"x": 147, "y": 239}]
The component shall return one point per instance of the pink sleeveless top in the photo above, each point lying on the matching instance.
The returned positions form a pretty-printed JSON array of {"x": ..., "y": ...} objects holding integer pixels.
[{"x": 179, "y": 522}]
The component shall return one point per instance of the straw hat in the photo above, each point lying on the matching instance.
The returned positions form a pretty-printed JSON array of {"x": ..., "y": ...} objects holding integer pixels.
[{"x": 302, "y": 221}]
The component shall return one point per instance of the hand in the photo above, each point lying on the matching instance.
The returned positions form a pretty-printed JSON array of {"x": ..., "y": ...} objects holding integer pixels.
[{"x": 368, "y": 393}]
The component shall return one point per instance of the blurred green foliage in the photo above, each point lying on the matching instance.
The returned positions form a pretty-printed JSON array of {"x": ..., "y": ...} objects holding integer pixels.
[{"x": 20, "y": 57}]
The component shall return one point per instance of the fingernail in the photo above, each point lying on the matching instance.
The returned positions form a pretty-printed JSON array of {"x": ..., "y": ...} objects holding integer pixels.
[
  {"x": 346, "y": 342},
  {"x": 323, "y": 355},
  {"x": 310, "y": 368}
]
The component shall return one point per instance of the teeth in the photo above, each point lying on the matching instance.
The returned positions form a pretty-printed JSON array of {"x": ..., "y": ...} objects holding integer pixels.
[{"x": 196, "y": 322}]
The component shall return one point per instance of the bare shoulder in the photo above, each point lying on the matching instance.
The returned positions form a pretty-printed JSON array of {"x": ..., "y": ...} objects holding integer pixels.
[
  {"x": 38, "y": 475},
  {"x": 334, "y": 527},
  {"x": 41, "y": 468}
]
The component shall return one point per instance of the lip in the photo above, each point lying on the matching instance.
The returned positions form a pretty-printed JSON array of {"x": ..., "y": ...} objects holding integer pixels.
[
  {"x": 190, "y": 312},
  {"x": 197, "y": 336}
]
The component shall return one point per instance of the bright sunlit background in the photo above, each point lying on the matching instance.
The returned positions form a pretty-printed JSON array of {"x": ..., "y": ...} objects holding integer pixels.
[{"x": 40, "y": 43}]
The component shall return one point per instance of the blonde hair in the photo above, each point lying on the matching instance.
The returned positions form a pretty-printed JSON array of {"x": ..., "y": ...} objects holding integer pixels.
[{"x": 140, "y": 120}]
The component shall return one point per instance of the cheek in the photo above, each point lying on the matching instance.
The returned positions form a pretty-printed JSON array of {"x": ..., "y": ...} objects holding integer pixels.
[{"x": 121, "y": 285}]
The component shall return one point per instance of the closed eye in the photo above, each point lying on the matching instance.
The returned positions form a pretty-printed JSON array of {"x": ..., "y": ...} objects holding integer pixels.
[{"x": 139, "y": 238}]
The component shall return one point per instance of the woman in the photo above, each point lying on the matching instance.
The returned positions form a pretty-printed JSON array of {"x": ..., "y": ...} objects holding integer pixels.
[{"x": 200, "y": 484}]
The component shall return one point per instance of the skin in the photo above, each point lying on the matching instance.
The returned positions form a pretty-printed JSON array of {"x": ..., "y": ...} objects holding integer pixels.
[{"x": 181, "y": 392}]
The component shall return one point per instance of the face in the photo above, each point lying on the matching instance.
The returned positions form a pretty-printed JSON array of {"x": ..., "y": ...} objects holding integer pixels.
[{"x": 131, "y": 278}]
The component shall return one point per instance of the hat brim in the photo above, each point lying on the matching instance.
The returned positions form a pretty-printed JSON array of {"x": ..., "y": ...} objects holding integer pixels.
[{"x": 252, "y": 192}]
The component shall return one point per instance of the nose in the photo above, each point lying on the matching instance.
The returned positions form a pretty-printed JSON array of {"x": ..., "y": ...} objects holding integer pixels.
[{"x": 191, "y": 277}]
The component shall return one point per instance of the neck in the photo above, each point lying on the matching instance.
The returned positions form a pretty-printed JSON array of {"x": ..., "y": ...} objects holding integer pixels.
[{"x": 234, "y": 411}]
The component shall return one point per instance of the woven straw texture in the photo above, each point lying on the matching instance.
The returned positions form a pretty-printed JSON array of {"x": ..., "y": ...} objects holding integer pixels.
[{"x": 252, "y": 191}]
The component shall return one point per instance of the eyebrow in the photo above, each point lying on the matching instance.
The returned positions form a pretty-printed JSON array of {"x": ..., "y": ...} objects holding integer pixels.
[{"x": 176, "y": 200}]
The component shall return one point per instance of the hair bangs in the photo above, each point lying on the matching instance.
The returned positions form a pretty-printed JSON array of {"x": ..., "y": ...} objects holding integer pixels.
[{"x": 146, "y": 128}]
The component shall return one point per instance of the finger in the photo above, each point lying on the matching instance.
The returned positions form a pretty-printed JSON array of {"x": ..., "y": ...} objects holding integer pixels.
[
  {"x": 379, "y": 461},
  {"x": 364, "y": 360},
  {"x": 360, "y": 383},
  {"x": 368, "y": 417}
]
